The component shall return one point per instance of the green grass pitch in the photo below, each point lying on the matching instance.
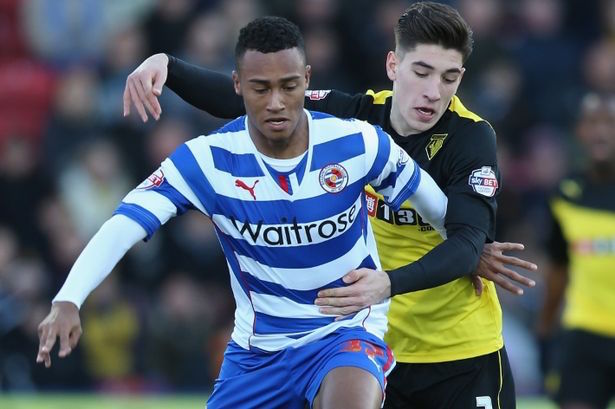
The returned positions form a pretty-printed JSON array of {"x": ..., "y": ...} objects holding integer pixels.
[{"x": 60, "y": 401}]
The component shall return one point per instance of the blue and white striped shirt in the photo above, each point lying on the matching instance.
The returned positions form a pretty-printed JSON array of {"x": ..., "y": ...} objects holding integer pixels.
[{"x": 284, "y": 238}]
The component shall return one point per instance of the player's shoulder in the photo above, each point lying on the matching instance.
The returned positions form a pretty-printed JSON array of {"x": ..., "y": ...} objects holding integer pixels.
[
  {"x": 380, "y": 97},
  {"x": 468, "y": 122},
  {"x": 471, "y": 134},
  {"x": 237, "y": 125},
  {"x": 332, "y": 127},
  {"x": 230, "y": 136}
]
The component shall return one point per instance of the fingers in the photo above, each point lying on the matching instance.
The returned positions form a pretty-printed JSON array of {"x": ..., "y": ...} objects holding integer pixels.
[
  {"x": 513, "y": 275},
  {"x": 352, "y": 277},
  {"x": 126, "y": 98},
  {"x": 159, "y": 81},
  {"x": 506, "y": 246},
  {"x": 65, "y": 348},
  {"x": 478, "y": 285},
  {"x": 136, "y": 101},
  {"x": 340, "y": 301},
  {"x": 338, "y": 292},
  {"x": 42, "y": 337},
  {"x": 517, "y": 262},
  {"x": 46, "y": 344},
  {"x": 144, "y": 89},
  {"x": 73, "y": 339},
  {"x": 341, "y": 311},
  {"x": 507, "y": 285}
]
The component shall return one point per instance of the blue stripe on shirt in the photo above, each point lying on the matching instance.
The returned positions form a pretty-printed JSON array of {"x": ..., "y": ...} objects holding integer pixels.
[
  {"x": 239, "y": 165},
  {"x": 269, "y": 324},
  {"x": 191, "y": 172},
  {"x": 304, "y": 210},
  {"x": 235, "y": 269},
  {"x": 337, "y": 150},
  {"x": 236, "y": 125},
  {"x": 144, "y": 217},
  {"x": 181, "y": 203},
  {"x": 298, "y": 296},
  {"x": 409, "y": 189},
  {"x": 317, "y": 115},
  {"x": 382, "y": 157}
]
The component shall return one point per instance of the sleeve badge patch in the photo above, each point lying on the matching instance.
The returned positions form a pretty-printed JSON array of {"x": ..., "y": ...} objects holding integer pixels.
[
  {"x": 317, "y": 94},
  {"x": 371, "y": 202},
  {"x": 152, "y": 181},
  {"x": 483, "y": 181}
]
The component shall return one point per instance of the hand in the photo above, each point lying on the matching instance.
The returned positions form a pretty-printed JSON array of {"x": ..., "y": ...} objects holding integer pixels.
[
  {"x": 492, "y": 266},
  {"x": 62, "y": 321},
  {"x": 366, "y": 287},
  {"x": 144, "y": 86}
]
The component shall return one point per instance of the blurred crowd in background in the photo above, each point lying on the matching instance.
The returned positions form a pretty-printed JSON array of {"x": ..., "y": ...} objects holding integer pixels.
[{"x": 67, "y": 157}]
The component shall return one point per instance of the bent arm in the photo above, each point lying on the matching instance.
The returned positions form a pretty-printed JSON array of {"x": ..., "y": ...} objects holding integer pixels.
[
  {"x": 205, "y": 89},
  {"x": 453, "y": 258},
  {"x": 112, "y": 241}
]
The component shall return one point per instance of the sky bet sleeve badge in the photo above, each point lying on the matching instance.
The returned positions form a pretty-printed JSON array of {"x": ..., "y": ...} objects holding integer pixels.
[{"x": 484, "y": 181}]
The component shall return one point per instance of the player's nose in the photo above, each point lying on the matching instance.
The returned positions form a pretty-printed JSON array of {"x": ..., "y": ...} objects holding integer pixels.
[{"x": 276, "y": 101}]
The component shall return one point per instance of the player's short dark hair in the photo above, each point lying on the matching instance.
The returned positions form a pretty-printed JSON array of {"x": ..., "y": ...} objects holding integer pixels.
[
  {"x": 268, "y": 35},
  {"x": 427, "y": 22}
]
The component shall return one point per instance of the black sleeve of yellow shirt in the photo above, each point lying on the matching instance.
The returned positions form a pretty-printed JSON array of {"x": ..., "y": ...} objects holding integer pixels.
[
  {"x": 343, "y": 105},
  {"x": 474, "y": 181},
  {"x": 213, "y": 92},
  {"x": 207, "y": 90},
  {"x": 453, "y": 258}
]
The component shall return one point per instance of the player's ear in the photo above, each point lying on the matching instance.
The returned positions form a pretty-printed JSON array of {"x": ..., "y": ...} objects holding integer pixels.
[
  {"x": 391, "y": 65},
  {"x": 308, "y": 75},
  {"x": 236, "y": 83}
]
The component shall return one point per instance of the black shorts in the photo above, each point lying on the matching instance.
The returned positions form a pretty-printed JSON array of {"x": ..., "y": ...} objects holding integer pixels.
[
  {"x": 587, "y": 369},
  {"x": 481, "y": 382}
]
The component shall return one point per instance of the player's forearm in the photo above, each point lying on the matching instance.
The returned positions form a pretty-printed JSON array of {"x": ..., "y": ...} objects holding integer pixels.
[
  {"x": 455, "y": 257},
  {"x": 205, "y": 89},
  {"x": 98, "y": 258}
]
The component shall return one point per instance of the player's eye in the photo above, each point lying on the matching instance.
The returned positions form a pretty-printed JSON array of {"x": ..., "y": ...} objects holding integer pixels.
[
  {"x": 260, "y": 90},
  {"x": 450, "y": 80},
  {"x": 420, "y": 74},
  {"x": 290, "y": 87}
]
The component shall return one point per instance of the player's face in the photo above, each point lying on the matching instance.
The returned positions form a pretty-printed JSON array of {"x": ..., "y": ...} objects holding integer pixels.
[
  {"x": 273, "y": 88},
  {"x": 424, "y": 81},
  {"x": 596, "y": 129}
]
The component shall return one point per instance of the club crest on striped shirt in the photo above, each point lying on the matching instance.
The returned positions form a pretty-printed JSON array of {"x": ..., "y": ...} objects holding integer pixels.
[
  {"x": 152, "y": 181},
  {"x": 333, "y": 178}
]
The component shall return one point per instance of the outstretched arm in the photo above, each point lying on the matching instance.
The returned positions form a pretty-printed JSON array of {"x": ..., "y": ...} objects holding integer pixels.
[
  {"x": 95, "y": 262},
  {"x": 202, "y": 88}
]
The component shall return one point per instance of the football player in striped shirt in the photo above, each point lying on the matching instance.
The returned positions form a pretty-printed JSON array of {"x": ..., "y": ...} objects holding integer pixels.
[
  {"x": 284, "y": 188},
  {"x": 447, "y": 341}
]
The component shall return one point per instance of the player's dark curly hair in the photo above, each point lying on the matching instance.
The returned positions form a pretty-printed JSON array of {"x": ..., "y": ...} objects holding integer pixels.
[
  {"x": 427, "y": 22},
  {"x": 268, "y": 35}
]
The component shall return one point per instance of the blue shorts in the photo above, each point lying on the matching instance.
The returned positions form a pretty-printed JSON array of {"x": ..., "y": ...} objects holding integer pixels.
[{"x": 292, "y": 377}]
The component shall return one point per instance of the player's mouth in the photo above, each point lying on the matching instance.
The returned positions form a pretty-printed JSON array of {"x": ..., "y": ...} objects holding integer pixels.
[
  {"x": 425, "y": 114},
  {"x": 277, "y": 124}
]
